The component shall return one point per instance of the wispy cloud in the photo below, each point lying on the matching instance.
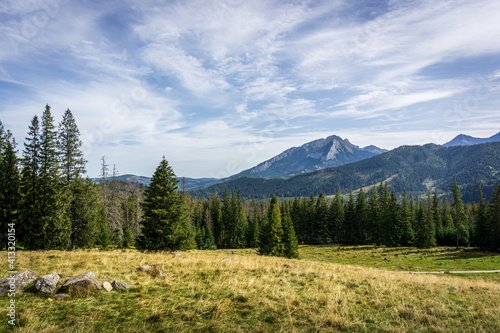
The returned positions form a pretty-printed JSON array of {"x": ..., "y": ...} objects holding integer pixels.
[{"x": 218, "y": 86}]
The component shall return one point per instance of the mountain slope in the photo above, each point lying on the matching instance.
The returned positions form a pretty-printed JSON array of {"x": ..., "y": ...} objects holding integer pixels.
[
  {"x": 315, "y": 155},
  {"x": 192, "y": 184},
  {"x": 467, "y": 140},
  {"x": 414, "y": 168}
]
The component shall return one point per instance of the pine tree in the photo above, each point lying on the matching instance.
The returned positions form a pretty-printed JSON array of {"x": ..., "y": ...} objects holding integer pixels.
[
  {"x": 493, "y": 242},
  {"x": 449, "y": 233},
  {"x": 31, "y": 229},
  {"x": 482, "y": 227},
  {"x": 84, "y": 213},
  {"x": 320, "y": 228},
  {"x": 373, "y": 211},
  {"x": 165, "y": 224},
  {"x": 459, "y": 216},
  {"x": 336, "y": 217},
  {"x": 407, "y": 232},
  {"x": 361, "y": 217},
  {"x": 9, "y": 183},
  {"x": 216, "y": 213},
  {"x": 271, "y": 236},
  {"x": 289, "y": 239},
  {"x": 350, "y": 221},
  {"x": 54, "y": 198},
  {"x": 69, "y": 144}
]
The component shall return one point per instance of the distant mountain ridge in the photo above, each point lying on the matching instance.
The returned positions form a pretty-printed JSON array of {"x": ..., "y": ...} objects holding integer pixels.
[
  {"x": 416, "y": 169},
  {"x": 467, "y": 140},
  {"x": 312, "y": 156},
  {"x": 192, "y": 184}
]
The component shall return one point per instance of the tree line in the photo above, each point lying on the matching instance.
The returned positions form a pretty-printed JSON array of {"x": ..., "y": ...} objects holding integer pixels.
[{"x": 54, "y": 207}]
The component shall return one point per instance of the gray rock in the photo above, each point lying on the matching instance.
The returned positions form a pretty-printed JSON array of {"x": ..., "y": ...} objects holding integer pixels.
[
  {"x": 232, "y": 252},
  {"x": 107, "y": 286},
  {"x": 117, "y": 285},
  {"x": 60, "y": 296},
  {"x": 290, "y": 266},
  {"x": 179, "y": 255},
  {"x": 16, "y": 282},
  {"x": 144, "y": 268},
  {"x": 85, "y": 280},
  {"x": 47, "y": 284}
]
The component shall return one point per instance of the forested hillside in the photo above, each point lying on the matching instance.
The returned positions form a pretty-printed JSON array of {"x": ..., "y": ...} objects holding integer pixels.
[{"x": 415, "y": 169}]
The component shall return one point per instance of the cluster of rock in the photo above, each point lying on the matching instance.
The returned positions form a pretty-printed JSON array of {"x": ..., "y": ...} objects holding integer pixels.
[{"x": 47, "y": 284}]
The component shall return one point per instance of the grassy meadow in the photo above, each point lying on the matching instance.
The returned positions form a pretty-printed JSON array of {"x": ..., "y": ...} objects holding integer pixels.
[{"x": 332, "y": 288}]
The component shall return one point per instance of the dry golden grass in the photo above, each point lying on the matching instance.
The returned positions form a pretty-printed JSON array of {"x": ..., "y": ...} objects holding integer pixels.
[{"x": 251, "y": 293}]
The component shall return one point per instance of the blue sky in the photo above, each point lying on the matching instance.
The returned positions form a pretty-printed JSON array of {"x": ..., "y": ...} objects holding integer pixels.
[{"x": 220, "y": 86}]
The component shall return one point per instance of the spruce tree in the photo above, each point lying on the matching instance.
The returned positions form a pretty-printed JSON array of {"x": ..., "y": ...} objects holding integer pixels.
[
  {"x": 336, "y": 217},
  {"x": 407, "y": 232},
  {"x": 493, "y": 242},
  {"x": 31, "y": 227},
  {"x": 53, "y": 198},
  {"x": 289, "y": 239},
  {"x": 320, "y": 228},
  {"x": 271, "y": 236},
  {"x": 72, "y": 162},
  {"x": 165, "y": 224},
  {"x": 482, "y": 227},
  {"x": 372, "y": 229},
  {"x": 9, "y": 184},
  {"x": 459, "y": 216},
  {"x": 361, "y": 217},
  {"x": 349, "y": 228}
]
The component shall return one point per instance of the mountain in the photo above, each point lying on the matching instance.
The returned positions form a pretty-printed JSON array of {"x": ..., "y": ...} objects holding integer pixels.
[
  {"x": 467, "y": 140},
  {"x": 315, "y": 155},
  {"x": 417, "y": 169},
  {"x": 192, "y": 184}
]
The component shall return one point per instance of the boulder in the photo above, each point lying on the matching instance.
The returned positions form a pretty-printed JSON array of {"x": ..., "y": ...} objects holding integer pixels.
[
  {"x": 107, "y": 286},
  {"x": 144, "y": 268},
  {"x": 47, "y": 283},
  {"x": 117, "y": 285},
  {"x": 179, "y": 255},
  {"x": 85, "y": 280},
  {"x": 16, "y": 282}
]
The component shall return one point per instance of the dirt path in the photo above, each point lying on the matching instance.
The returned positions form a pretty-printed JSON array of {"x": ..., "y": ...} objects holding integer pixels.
[{"x": 455, "y": 272}]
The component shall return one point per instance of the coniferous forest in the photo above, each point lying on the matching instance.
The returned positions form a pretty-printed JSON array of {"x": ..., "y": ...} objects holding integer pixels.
[{"x": 44, "y": 193}]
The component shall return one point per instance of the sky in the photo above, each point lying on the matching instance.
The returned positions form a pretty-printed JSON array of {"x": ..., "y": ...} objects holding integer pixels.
[{"x": 219, "y": 86}]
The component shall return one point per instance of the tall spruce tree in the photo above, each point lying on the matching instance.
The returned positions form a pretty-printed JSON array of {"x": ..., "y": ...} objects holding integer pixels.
[
  {"x": 83, "y": 206},
  {"x": 9, "y": 183},
  {"x": 336, "y": 217},
  {"x": 459, "y": 216},
  {"x": 165, "y": 224},
  {"x": 72, "y": 162},
  {"x": 493, "y": 242},
  {"x": 289, "y": 239},
  {"x": 361, "y": 217},
  {"x": 320, "y": 228},
  {"x": 349, "y": 227},
  {"x": 31, "y": 229},
  {"x": 407, "y": 234},
  {"x": 482, "y": 227},
  {"x": 271, "y": 235},
  {"x": 54, "y": 198}
]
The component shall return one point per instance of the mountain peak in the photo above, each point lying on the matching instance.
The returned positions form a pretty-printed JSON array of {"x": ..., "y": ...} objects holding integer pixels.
[
  {"x": 467, "y": 140},
  {"x": 314, "y": 155}
]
